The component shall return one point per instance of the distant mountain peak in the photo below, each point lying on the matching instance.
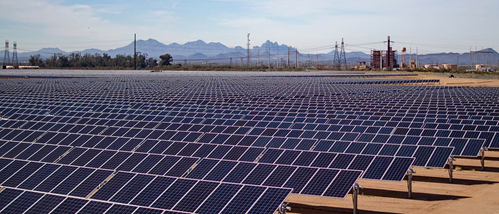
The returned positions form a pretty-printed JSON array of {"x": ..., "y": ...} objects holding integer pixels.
[
  {"x": 51, "y": 50},
  {"x": 197, "y": 42}
]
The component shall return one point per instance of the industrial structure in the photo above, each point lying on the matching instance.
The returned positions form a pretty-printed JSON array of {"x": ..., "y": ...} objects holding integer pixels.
[{"x": 384, "y": 59}]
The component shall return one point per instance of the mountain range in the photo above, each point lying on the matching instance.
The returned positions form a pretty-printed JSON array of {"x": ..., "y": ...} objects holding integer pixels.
[{"x": 217, "y": 52}]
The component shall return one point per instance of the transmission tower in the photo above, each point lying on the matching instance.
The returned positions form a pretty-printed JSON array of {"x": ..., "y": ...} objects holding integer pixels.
[
  {"x": 6, "y": 57},
  {"x": 248, "y": 44},
  {"x": 336, "y": 59},
  {"x": 14, "y": 56},
  {"x": 134, "y": 51},
  {"x": 343, "y": 57}
]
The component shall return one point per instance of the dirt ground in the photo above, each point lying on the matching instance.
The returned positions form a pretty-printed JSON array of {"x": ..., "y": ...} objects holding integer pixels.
[
  {"x": 472, "y": 190},
  {"x": 463, "y": 79}
]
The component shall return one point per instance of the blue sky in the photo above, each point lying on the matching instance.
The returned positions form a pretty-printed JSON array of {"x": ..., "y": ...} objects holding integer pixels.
[{"x": 311, "y": 26}]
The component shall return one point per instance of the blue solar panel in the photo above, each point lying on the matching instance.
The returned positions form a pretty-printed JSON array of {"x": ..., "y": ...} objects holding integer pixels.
[
  {"x": 259, "y": 174},
  {"x": 10, "y": 169},
  {"x": 440, "y": 157},
  {"x": 22, "y": 174},
  {"x": 62, "y": 182},
  {"x": 239, "y": 172},
  {"x": 220, "y": 171},
  {"x": 181, "y": 167},
  {"x": 90, "y": 183},
  {"x": 300, "y": 178},
  {"x": 173, "y": 194},
  {"x": 40, "y": 175},
  {"x": 321, "y": 180},
  {"x": 45, "y": 204},
  {"x": 121, "y": 209},
  {"x": 396, "y": 170},
  {"x": 113, "y": 186},
  {"x": 164, "y": 165},
  {"x": 323, "y": 160},
  {"x": 21, "y": 203},
  {"x": 244, "y": 199},
  {"x": 70, "y": 205},
  {"x": 153, "y": 190},
  {"x": 196, "y": 196},
  {"x": 219, "y": 198},
  {"x": 341, "y": 185},
  {"x": 378, "y": 167},
  {"x": 288, "y": 157}
]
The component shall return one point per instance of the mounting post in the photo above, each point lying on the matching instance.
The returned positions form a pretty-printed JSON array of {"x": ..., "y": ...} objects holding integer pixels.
[
  {"x": 409, "y": 182},
  {"x": 283, "y": 208},
  {"x": 355, "y": 193},
  {"x": 482, "y": 158},
  {"x": 451, "y": 167}
]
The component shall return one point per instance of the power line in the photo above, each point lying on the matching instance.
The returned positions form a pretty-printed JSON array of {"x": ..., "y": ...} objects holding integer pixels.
[{"x": 52, "y": 43}]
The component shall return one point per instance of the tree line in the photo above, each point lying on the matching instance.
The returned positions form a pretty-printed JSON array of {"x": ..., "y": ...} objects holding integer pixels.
[{"x": 78, "y": 60}]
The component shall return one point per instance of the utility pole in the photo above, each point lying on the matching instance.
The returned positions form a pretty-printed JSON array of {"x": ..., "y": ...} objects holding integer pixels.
[
  {"x": 268, "y": 63},
  {"x": 410, "y": 55},
  {"x": 258, "y": 59},
  {"x": 277, "y": 57},
  {"x": 388, "y": 54},
  {"x": 481, "y": 56},
  {"x": 308, "y": 61},
  {"x": 134, "y": 51},
  {"x": 230, "y": 63},
  {"x": 476, "y": 56},
  {"x": 297, "y": 64},
  {"x": 249, "y": 59},
  {"x": 417, "y": 62},
  {"x": 470, "y": 58},
  {"x": 317, "y": 60},
  {"x": 287, "y": 65},
  {"x": 380, "y": 60},
  {"x": 242, "y": 61}
]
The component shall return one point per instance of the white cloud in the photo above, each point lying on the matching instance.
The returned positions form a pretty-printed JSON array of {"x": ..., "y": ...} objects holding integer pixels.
[{"x": 78, "y": 21}]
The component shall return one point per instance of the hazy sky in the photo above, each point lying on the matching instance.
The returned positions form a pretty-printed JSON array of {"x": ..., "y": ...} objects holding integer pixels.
[{"x": 311, "y": 25}]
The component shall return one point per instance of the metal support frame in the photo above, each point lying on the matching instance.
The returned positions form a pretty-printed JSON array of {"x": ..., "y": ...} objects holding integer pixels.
[
  {"x": 409, "y": 182},
  {"x": 355, "y": 193},
  {"x": 283, "y": 208},
  {"x": 451, "y": 168},
  {"x": 482, "y": 158}
]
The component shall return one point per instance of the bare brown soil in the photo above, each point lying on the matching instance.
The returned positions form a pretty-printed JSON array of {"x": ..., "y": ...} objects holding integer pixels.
[{"x": 472, "y": 190}]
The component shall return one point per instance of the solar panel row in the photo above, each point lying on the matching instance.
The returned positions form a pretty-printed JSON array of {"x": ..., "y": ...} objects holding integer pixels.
[
  {"x": 283, "y": 132},
  {"x": 160, "y": 164},
  {"x": 166, "y": 193},
  {"x": 23, "y": 201}
]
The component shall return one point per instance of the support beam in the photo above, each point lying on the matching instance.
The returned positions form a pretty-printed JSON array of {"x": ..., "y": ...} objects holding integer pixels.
[
  {"x": 283, "y": 208},
  {"x": 355, "y": 193},
  {"x": 482, "y": 158},
  {"x": 451, "y": 168},
  {"x": 409, "y": 182}
]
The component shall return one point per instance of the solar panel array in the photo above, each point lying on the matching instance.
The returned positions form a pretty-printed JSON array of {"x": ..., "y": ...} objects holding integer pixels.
[{"x": 225, "y": 142}]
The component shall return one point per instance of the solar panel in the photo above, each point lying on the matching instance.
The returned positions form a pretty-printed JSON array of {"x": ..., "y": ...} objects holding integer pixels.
[{"x": 347, "y": 124}]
